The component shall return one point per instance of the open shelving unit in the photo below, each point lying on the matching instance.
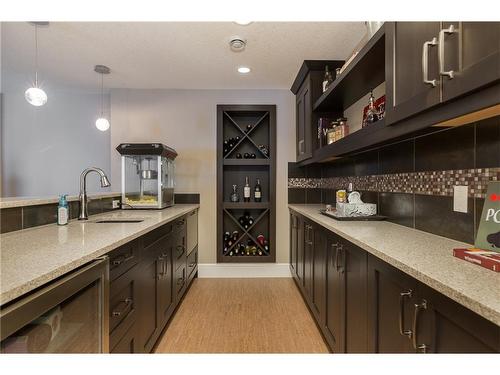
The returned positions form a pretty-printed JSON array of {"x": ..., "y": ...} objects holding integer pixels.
[{"x": 232, "y": 121}]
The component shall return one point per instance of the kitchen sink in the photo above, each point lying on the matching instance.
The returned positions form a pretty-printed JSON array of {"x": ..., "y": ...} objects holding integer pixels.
[{"x": 114, "y": 221}]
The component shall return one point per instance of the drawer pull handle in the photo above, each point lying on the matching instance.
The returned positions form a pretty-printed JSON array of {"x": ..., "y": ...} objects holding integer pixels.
[
  {"x": 402, "y": 297},
  {"x": 121, "y": 260},
  {"x": 181, "y": 222},
  {"x": 127, "y": 302},
  {"x": 180, "y": 249},
  {"x": 338, "y": 265},
  {"x": 180, "y": 281},
  {"x": 192, "y": 264},
  {"x": 418, "y": 307}
]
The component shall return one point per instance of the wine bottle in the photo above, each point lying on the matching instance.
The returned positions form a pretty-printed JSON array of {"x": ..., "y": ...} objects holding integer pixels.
[
  {"x": 238, "y": 156},
  {"x": 253, "y": 156},
  {"x": 249, "y": 127},
  {"x": 235, "y": 235},
  {"x": 246, "y": 191},
  {"x": 250, "y": 221},
  {"x": 246, "y": 155},
  {"x": 257, "y": 192},
  {"x": 226, "y": 236}
]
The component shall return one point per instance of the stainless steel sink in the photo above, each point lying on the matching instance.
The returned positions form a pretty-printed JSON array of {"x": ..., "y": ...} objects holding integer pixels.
[{"x": 115, "y": 221}]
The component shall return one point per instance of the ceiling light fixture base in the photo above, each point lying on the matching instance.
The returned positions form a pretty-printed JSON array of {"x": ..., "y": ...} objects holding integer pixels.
[{"x": 102, "y": 69}]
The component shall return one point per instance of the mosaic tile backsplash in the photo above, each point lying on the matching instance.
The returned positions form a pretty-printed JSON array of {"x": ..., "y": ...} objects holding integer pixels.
[{"x": 425, "y": 183}]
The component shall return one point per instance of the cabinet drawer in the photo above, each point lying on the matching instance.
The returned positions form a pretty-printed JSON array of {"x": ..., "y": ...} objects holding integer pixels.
[
  {"x": 123, "y": 258},
  {"x": 180, "y": 281},
  {"x": 122, "y": 299},
  {"x": 155, "y": 235},
  {"x": 180, "y": 225},
  {"x": 125, "y": 344},
  {"x": 192, "y": 261},
  {"x": 179, "y": 251}
]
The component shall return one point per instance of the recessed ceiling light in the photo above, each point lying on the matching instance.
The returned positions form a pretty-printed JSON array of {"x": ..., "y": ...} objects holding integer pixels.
[
  {"x": 243, "y": 22},
  {"x": 244, "y": 69}
]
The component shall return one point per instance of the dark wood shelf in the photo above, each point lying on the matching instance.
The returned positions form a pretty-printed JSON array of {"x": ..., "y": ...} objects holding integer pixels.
[
  {"x": 232, "y": 120},
  {"x": 365, "y": 72},
  {"x": 246, "y": 205},
  {"x": 247, "y": 162},
  {"x": 356, "y": 141}
]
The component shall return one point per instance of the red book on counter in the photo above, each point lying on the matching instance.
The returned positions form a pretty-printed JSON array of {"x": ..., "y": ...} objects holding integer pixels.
[{"x": 483, "y": 258}]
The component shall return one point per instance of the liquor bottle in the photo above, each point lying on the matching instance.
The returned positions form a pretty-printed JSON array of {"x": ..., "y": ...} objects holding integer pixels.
[
  {"x": 246, "y": 191},
  {"x": 257, "y": 193},
  {"x": 371, "y": 113},
  {"x": 328, "y": 79},
  {"x": 234, "y": 195}
]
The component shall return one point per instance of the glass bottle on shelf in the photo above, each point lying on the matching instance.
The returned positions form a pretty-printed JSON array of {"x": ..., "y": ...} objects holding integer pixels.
[
  {"x": 258, "y": 191},
  {"x": 246, "y": 191},
  {"x": 234, "y": 195},
  {"x": 328, "y": 79},
  {"x": 371, "y": 113}
]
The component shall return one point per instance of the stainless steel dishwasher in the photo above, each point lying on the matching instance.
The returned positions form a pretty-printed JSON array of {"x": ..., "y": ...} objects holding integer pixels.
[{"x": 69, "y": 315}]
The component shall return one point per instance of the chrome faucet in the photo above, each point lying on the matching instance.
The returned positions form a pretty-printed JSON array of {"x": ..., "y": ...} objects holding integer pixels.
[{"x": 83, "y": 189}]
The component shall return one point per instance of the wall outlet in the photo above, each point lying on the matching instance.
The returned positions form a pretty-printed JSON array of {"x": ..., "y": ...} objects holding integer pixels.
[
  {"x": 460, "y": 198},
  {"x": 116, "y": 203}
]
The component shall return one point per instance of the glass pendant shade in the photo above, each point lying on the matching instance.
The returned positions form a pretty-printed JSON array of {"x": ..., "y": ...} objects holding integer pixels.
[
  {"x": 35, "y": 96},
  {"x": 102, "y": 124}
]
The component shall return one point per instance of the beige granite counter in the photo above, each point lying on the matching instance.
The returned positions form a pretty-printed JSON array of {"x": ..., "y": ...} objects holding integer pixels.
[
  {"x": 35, "y": 256},
  {"x": 10, "y": 202},
  {"x": 424, "y": 256}
]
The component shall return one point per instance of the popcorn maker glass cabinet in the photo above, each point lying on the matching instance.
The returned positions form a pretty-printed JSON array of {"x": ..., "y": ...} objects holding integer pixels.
[{"x": 147, "y": 175}]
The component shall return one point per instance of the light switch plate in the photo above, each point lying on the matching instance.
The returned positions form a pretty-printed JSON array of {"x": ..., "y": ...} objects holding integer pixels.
[
  {"x": 460, "y": 198},
  {"x": 116, "y": 203}
]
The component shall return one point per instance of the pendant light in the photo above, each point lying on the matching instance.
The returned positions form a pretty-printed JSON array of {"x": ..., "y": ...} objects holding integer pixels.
[
  {"x": 35, "y": 95},
  {"x": 102, "y": 122}
]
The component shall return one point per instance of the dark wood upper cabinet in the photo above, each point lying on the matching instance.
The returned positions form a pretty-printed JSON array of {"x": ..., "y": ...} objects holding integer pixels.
[
  {"x": 429, "y": 63},
  {"x": 391, "y": 299},
  {"x": 470, "y": 56},
  {"x": 411, "y": 47},
  {"x": 307, "y": 88}
]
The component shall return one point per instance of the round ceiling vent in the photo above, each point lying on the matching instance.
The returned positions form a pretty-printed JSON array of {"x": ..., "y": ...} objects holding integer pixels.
[{"x": 237, "y": 44}]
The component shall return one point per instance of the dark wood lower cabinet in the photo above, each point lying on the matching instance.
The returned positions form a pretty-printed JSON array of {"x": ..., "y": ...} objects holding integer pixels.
[
  {"x": 361, "y": 304},
  {"x": 145, "y": 295}
]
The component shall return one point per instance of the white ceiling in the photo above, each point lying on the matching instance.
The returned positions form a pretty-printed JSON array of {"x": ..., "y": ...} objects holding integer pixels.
[{"x": 183, "y": 55}]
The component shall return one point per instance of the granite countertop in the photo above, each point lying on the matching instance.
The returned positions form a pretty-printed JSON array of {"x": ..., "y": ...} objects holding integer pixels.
[
  {"x": 10, "y": 202},
  {"x": 424, "y": 256},
  {"x": 35, "y": 256}
]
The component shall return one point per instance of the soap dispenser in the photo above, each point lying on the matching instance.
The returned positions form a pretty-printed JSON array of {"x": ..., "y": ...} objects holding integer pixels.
[{"x": 62, "y": 211}]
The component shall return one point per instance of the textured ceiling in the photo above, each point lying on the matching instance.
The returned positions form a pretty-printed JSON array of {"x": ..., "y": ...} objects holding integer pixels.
[{"x": 181, "y": 55}]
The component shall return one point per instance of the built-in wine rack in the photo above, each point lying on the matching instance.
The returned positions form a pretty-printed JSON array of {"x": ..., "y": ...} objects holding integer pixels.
[{"x": 246, "y": 147}]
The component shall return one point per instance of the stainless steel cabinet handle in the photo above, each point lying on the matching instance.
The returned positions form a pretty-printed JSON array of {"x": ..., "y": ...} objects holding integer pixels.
[
  {"x": 418, "y": 307},
  {"x": 450, "y": 30},
  {"x": 338, "y": 265},
  {"x": 126, "y": 301},
  {"x": 402, "y": 297},
  {"x": 301, "y": 146},
  {"x": 425, "y": 62},
  {"x": 334, "y": 248}
]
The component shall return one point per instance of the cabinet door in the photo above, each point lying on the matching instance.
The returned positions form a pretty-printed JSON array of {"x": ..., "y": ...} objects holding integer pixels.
[
  {"x": 470, "y": 56},
  {"x": 354, "y": 271},
  {"x": 444, "y": 326},
  {"x": 165, "y": 294},
  {"x": 303, "y": 113},
  {"x": 293, "y": 245},
  {"x": 406, "y": 51},
  {"x": 308, "y": 260},
  {"x": 300, "y": 250},
  {"x": 391, "y": 299},
  {"x": 151, "y": 267},
  {"x": 335, "y": 293},
  {"x": 319, "y": 275}
]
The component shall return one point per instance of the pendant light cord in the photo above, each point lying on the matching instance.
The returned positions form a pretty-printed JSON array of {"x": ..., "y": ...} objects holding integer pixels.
[
  {"x": 102, "y": 94},
  {"x": 36, "y": 55}
]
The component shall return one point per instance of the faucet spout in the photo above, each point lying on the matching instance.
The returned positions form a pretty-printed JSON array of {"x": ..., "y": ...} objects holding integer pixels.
[{"x": 83, "y": 189}]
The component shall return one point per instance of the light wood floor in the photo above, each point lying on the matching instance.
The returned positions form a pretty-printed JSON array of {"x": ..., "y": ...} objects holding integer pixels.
[{"x": 242, "y": 316}]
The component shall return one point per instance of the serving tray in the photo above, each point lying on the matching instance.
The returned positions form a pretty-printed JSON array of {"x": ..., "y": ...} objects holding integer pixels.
[{"x": 333, "y": 215}]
